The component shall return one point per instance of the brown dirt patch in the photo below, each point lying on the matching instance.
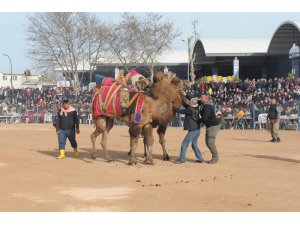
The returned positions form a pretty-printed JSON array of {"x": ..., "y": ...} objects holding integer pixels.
[{"x": 253, "y": 174}]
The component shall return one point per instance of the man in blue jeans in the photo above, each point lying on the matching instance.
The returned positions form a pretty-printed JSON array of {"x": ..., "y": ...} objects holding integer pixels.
[
  {"x": 67, "y": 122},
  {"x": 192, "y": 124}
]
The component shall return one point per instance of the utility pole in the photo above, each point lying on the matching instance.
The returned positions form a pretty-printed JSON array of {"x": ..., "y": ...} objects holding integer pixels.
[
  {"x": 11, "y": 83},
  {"x": 189, "y": 39}
]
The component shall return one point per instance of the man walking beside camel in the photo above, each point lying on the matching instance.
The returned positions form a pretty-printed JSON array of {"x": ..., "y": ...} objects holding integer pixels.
[{"x": 67, "y": 121}]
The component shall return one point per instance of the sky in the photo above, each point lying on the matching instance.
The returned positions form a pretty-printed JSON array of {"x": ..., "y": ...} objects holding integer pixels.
[{"x": 210, "y": 25}]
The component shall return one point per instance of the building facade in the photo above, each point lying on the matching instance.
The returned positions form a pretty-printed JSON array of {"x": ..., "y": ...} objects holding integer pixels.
[
  {"x": 20, "y": 81},
  {"x": 257, "y": 58}
]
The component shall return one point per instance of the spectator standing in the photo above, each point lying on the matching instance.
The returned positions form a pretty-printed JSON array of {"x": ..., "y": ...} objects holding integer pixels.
[{"x": 274, "y": 118}]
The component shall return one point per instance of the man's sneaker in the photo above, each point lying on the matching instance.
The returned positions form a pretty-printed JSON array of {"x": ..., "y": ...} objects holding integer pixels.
[
  {"x": 199, "y": 161},
  {"x": 213, "y": 161},
  {"x": 278, "y": 140},
  {"x": 273, "y": 140},
  {"x": 179, "y": 161}
]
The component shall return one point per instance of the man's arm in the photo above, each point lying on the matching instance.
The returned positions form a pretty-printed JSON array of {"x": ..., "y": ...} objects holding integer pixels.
[
  {"x": 76, "y": 120},
  {"x": 186, "y": 111},
  {"x": 57, "y": 121},
  {"x": 185, "y": 102}
]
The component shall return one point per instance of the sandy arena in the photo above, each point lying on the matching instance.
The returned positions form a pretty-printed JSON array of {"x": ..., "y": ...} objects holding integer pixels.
[{"x": 253, "y": 174}]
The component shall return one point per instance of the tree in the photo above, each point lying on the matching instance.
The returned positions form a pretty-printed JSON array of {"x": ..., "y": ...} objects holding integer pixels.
[
  {"x": 65, "y": 40},
  {"x": 95, "y": 34},
  {"x": 155, "y": 37},
  {"x": 123, "y": 41},
  {"x": 141, "y": 40}
]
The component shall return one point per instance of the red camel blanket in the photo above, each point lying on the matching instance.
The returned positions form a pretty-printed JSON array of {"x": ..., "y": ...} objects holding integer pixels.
[{"x": 117, "y": 100}]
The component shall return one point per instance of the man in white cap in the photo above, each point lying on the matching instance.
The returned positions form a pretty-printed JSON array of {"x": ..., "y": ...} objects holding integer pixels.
[{"x": 192, "y": 124}]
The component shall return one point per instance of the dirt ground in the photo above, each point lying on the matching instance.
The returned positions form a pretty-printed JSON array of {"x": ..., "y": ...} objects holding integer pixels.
[{"x": 253, "y": 174}]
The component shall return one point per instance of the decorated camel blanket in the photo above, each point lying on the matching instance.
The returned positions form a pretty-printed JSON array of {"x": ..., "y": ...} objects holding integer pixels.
[{"x": 117, "y": 100}]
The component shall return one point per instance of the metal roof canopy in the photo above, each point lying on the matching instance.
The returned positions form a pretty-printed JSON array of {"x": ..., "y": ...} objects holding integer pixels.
[
  {"x": 235, "y": 47},
  {"x": 284, "y": 37},
  {"x": 282, "y": 40}
]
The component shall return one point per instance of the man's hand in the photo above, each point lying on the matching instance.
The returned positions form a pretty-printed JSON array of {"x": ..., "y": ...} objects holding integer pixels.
[
  {"x": 218, "y": 114},
  {"x": 57, "y": 132},
  {"x": 77, "y": 131}
]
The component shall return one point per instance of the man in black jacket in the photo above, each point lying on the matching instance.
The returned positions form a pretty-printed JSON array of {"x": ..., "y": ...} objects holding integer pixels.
[
  {"x": 67, "y": 121},
  {"x": 211, "y": 120},
  {"x": 274, "y": 118},
  {"x": 191, "y": 123}
]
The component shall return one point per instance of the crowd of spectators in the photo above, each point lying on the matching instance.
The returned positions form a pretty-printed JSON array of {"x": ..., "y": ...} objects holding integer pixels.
[
  {"x": 251, "y": 96},
  {"x": 40, "y": 102},
  {"x": 229, "y": 98},
  {"x": 232, "y": 95}
]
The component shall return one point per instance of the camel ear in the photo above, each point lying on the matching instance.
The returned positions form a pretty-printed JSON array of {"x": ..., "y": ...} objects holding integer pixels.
[{"x": 158, "y": 76}]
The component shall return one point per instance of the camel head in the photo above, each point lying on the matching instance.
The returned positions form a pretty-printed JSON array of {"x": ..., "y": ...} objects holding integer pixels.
[{"x": 169, "y": 87}]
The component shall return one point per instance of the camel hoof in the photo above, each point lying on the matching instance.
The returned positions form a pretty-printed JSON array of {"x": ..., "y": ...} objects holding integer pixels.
[
  {"x": 93, "y": 156},
  {"x": 132, "y": 163},
  {"x": 166, "y": 158},
  {"x": 148, "y": 162},
  {"x": 110, "y": 160}
]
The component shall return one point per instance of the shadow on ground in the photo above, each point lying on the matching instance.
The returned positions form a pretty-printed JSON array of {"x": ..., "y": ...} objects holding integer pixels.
[
  {"x": 273, "y": 158},
  {"x": 118, "y": 156},
  {"x": 244, "y": 139}
]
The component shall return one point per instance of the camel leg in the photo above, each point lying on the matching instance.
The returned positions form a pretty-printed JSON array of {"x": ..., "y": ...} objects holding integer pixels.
[
  {"x": 94, "y": 136},
  {"x": 145, "y": 146},
  {"x": 148, "y": 143},
  {"x": 129, "y": 153},
  {"x": 161, "y": 133},
  {"x": 103, "y": 126},
  {"x": 134, "y": 132},
  {"x": 109, "y": 125}
]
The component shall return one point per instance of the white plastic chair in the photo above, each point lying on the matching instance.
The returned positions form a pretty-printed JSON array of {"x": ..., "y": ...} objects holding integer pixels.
[
  {"x": 262, "y": 120},
  {"x": 90, "y": 119},
  {"x": 294, "y": 116}
]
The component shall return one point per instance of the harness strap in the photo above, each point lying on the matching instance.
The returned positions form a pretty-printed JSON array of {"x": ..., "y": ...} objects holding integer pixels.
[
  {"x": 111, "y": 97},
  {"x": 114, "y": 105},
  {"x": 108, "y": 95},
  {"x": 133, "y": 98},
  {"x": 100, "y": 98}
]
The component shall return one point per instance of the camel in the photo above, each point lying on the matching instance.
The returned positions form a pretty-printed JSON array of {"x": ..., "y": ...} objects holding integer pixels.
[
  {"x": 156, "y": 110},
  {"x": 162, "y": 127}
]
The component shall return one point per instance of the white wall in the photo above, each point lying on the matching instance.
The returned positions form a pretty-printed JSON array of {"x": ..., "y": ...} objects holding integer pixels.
[
  {"x": 7, "y": 83},
  {"x": 19, "y": 81}
]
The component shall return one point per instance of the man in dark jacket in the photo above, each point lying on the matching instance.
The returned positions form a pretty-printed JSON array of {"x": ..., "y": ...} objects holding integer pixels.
[
  {"x": 191, "y": 123},
  {"x": 211, "y": 120},
  {"x": 67, "y": 121},
  {"x": 274, "y": 118}
]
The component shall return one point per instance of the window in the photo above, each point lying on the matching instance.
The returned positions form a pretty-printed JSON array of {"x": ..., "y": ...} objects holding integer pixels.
[
  {"x": 4, "y": 77},
  {"x": 15, "y": 77}
]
